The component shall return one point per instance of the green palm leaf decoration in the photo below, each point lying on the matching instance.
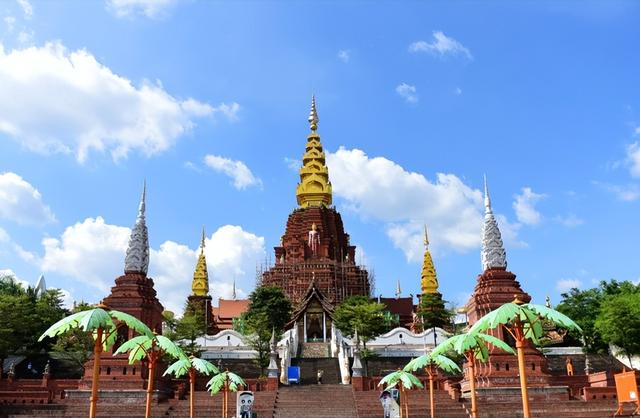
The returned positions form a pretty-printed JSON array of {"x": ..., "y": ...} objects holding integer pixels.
[
  {"x": 425, "y": 360},
  {"x": 405, "y": 379},
  {"x": 472, "y": 341},
  {"x": 234, "y": 382},
  {"x": 139, "y": 347},
  {"x": 132, "y": 322},
  {"x": 182, "y": 366},
  {"x": 528, "y": 314}
]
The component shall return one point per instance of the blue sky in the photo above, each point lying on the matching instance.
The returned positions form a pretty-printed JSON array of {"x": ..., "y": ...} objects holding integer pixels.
[{"x": 208, "y": 101}]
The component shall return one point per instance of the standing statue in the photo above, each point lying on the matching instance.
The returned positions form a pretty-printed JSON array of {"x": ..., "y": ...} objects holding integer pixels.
[{"x": 314, "y": 239}]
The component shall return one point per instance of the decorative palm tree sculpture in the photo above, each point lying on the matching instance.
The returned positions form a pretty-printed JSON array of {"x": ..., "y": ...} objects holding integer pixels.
[
  {"x": 227, "y": 382},
  {"x": 404, "y": 380},
  {"x": 429, "y": 363},
  {"x": 524, "y": 322},
  {"x": 473, "y": 346},
  {"x": 102, "y": 324},
  {"x": 191, "y": 366},
  {"x": 150, "y": 348}
]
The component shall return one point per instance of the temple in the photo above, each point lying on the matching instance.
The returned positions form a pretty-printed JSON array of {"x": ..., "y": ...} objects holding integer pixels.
[
  {"x": 315, "y": 247},
  {"x": 200, "y": 300}
]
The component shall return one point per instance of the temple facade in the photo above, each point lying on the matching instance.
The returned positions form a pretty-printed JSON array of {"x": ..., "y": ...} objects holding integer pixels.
[{"x": 315, "y": 247}]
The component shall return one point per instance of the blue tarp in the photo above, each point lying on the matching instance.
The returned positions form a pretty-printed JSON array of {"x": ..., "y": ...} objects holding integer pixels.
[{"x": 294, "y": 374}]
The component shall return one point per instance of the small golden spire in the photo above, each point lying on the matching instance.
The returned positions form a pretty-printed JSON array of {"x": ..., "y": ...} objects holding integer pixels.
[
  {"x": 200, "y": 283},
  {"x": 429, "y": 279}
]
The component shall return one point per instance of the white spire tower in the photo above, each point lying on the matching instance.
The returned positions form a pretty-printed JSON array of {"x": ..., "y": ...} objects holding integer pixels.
[
  {"x": 137, "y": 258},
  {"x": 493, "y": 254},
  {"x": 398, "y": 291},
  {"x": 41, "y": 286}
]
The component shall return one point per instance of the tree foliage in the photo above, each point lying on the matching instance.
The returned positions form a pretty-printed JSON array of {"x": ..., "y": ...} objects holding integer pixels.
[
  {"x": 24, "y": 316},
  {"x": 432, "y": 312},
  {"x": 584, "y": 307},
  {"x": 269, "y": 310},
  {"x": 619, "y": 322},
  {"x": 190, "y": 327},
  {"x": 362, "y": 314}
]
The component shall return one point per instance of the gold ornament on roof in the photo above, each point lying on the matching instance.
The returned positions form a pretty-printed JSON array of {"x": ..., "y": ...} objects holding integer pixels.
[
  {"x": 429, "y": 279},
  {"x": 200, "y": 284},
  {"x": 314, "y": 188}
]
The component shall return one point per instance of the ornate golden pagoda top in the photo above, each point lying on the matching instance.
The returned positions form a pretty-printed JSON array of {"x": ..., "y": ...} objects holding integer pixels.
[
  {"x": 200, "y": 284},
  {"x": 429, "y": 282},
  {"x": 314, "y": 188}
]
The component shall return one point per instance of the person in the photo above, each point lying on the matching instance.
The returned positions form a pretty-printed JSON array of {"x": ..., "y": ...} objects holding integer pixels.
[
  {"x": 320, "y": 373},
  {"x": 569, "y": 364}
]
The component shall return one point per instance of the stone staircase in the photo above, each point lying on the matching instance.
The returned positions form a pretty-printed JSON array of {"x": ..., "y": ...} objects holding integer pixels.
[
  {"x": 315, "y": 401},
  {"x": 309, "y": 370},
  {"x": 368, "y": 405},
  {"x": 555, "y": 409},
  {"x": 205, "y": 405}
]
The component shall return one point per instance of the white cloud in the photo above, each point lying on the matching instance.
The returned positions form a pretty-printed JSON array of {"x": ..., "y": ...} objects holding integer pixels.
[
  {"x": 27, "y": 8},
  {"x": 405, "y": 200},
  {"x": 149, "y": 8},
  {"x": 11, "y": 273},
  {"x": 407, "y": 92},
  {"x": 633, "y": 158},
  {"x": 565, "y": 285},
  {"x": 570, "y": 220},
  {"x": 293, "y": 164},
  {"x": 21, "y": 202},
  {"x": 10, "y": 21},
  {"x": 25, "y": 37},
  {"x": 626, "y": 193},
  {"x": 524, "y": 205},
  {"x": 237, "y": 170},
  {"x": 457, "y": 91},
  {"x": 441, "y": 45},
  {"x": 76, "y": 104},
  {"x": 344, "y": 55},
  {"x": 92, "y": 253}
]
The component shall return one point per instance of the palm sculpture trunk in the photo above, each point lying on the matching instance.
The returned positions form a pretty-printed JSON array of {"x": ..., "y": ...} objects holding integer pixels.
[
  {"x": 520, "y": 343},
  {"x": 224, "y": 400},
  {"x": 432, "y": 404},
  {"x": 472, "y": 383},
  {"x": 153, "y": 358},
  {"x": 97, "y": 350},
  {"x": 192, "y": 389}
]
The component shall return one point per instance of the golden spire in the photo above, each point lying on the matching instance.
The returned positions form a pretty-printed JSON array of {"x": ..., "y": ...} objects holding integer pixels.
[
  {"x": 429, "y": 282},
  {"x": 314, "y": 188},
  {"x": 200, "y": 284}
]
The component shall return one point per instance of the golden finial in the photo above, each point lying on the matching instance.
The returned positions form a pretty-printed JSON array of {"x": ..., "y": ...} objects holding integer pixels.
[
  {"x": 313, "y": 115},
  {"x": 202, "y": 240},
  {"x": 426, "y": 236}
]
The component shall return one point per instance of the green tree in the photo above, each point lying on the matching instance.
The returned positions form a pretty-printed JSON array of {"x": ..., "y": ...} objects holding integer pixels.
[
  {"x": 361, "y": 314},
  {"x": 190, "y": 327},
  {"x": 432, "y": 312},
  {"x": 619, "y": 322},
  {"x": 269, "y": 310},
  {"x": 76, "y": 342},
  {"x": 583, "y": 306}
]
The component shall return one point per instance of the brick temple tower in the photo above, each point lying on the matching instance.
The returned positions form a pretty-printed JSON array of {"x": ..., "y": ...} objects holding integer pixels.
[
  {"x": 134, "y": 294},
  {"x": 495, "y": 287},
  {"x": 315, "y": 246}
]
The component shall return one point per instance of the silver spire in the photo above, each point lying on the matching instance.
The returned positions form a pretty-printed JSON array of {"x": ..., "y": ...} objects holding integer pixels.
[
  {"x": 493, "y": 254},
  {"x": 41, "y": 286},
  {"x": 313, "y": 115},
  {"x": 233, "y": 295},
  {"x": 137, "y": 258},
  {"x": 398, "y": 291}
]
